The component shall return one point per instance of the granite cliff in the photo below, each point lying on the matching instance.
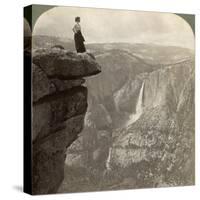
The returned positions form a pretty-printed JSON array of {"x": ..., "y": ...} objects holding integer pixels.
[
  {"x": 139, "y": 122},
  {"x": 139, "y": 126},
  {"x": 59, "y": 104}
]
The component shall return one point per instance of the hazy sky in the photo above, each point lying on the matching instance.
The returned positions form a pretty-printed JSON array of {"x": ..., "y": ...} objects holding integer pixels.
[{"x": 105, "y": 25}]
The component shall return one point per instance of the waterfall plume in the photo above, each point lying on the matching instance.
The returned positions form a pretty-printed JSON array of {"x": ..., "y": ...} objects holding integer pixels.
[{"x": 139, "y": 108}]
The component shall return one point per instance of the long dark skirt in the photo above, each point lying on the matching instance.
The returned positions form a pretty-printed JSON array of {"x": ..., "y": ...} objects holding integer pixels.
[{"x": 79, "y": 42}]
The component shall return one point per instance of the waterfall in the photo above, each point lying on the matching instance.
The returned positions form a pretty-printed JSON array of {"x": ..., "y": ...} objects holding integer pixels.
[
  {"x": 108, "y": 159},
  {"x": 139, "y": 108}
]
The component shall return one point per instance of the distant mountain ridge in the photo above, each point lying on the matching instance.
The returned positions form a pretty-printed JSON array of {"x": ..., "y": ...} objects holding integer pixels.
[
  {"x": 44, "y": 41},
  {"x": 148, "y": 52}
]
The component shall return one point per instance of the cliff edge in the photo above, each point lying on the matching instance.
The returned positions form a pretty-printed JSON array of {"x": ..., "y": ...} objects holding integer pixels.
[{"x": 59, "y": 104}]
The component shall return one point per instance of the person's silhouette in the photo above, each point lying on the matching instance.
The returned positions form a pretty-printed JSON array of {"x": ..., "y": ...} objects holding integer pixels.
[{"x": 78, "y": 37}]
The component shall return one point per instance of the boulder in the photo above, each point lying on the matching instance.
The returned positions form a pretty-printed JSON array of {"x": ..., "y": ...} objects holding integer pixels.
[{"x": 62, "y": 64}]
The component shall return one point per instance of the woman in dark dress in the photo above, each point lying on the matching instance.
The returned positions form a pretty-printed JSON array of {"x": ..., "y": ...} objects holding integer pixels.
[{"x": 78, "y": 37}]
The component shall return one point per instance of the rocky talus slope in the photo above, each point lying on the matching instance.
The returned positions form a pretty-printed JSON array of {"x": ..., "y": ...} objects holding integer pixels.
[{"x": 59, "y": 105}]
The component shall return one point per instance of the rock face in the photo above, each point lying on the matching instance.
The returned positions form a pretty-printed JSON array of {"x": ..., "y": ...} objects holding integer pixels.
[
  {"x": 151, "y": 149},
  {"x": 65, "y": 65},
  {"x": 59, "y": 106},
  {"x": 119, "y": 149}
]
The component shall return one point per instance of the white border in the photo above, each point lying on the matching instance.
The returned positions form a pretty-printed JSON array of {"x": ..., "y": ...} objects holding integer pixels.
[{"x": 11, "y": 100}]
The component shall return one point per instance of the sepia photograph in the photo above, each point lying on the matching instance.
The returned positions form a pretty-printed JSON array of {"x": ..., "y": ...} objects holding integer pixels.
[{"x": 112, "y": 98}]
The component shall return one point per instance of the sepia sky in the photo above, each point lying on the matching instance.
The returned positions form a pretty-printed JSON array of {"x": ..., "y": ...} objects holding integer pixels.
[{"x": 105, "y": 25}]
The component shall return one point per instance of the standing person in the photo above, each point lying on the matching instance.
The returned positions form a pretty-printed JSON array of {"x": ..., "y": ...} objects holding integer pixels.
[{"x": 78, "y": 37}]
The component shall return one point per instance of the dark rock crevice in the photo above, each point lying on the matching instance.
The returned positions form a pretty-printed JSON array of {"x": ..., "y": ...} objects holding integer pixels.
[{"x": 60, "y": 94}]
